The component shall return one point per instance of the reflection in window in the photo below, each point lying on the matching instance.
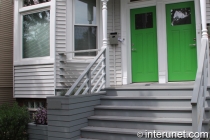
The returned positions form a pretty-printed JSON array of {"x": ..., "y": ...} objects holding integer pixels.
[
  {"x": 143, "y": 21},
  {"x": 85, "y": 39},
  {"x": 36, "y": 38},
  {"x": 33, "y": 2},
  {"x": 180, "y": 16},
  {"x": 85, "y": 11}
]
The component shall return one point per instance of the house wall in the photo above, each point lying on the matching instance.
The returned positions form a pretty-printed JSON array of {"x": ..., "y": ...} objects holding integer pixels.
[
  {"x": 34, "y": 81},
  {"x": 6, "y": 51},
  {"x": 77, "y": 66},
  {"x": 208, "y": 10}
]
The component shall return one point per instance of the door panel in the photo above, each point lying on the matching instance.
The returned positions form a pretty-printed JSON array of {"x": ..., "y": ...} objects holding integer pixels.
[
  {"x": 144, "y": 45},
  {"x": 182, "y": 57}
]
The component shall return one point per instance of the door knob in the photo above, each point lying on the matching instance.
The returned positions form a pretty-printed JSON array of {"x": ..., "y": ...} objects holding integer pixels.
[
  {"x": 192, "y": 45},
  {"x": 133, "y": 49}
]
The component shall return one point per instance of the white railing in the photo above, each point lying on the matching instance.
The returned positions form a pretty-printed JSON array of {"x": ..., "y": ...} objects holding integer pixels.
[
  {"x": 200, "y": 88},
  {"x": 93, "y": 78}
]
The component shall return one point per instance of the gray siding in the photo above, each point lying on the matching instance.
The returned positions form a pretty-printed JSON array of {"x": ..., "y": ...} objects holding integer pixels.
[
  {"x": 37, "y": 132},
  {"x": 67, "y": 115},
  {"x": 36, "y": 81},
  {"x": 6, "y": 52},
  {"x": 115, "y": 51},
  {"x": 76, "y": 68},
  {"x": 208, "y": 11}
]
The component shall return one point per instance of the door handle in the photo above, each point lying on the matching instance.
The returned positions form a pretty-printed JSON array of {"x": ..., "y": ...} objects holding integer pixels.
[
  {"x": 133, "y": 49},
  {"x": 192, "y": 45}
]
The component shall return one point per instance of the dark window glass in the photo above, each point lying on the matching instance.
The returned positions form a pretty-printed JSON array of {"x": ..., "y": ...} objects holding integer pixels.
[
  {"x": 85, "y": 39},
  {"x": 134, "y": 0},
  {"x": 36, "y": 35},
  {"x": 144, "y": 20},
  {"x": 180, "y": 16},
  {"x": 33, "y": 2}
]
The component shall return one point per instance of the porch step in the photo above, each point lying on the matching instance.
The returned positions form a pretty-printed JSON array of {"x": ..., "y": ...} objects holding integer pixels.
[
  {"x": 106, "y": 133},
  {"x": 158, "y": 101},
  {"x": 120, "y": 116},
  {"x": 146, "y": 123},
  {"x": 146, "y": 111}
]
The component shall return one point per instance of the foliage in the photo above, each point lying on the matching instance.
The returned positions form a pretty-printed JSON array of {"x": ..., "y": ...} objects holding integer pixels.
[
  {"x": 13, "y": 122},
  {"x": 41, "y": 116}
]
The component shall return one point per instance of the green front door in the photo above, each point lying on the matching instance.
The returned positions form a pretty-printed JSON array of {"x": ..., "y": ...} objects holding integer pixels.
[
  {"x": 144, "y": 45},
  {"x": 181, "y": 40}
]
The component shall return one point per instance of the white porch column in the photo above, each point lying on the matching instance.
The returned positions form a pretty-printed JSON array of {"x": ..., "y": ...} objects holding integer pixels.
[
  {"x": 105, "y": 41},
  {"x": 203, "y": 19},
  {"x": 204, "y": 30}
]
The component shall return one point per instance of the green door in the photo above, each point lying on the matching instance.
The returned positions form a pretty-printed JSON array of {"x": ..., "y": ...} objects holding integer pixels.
[
  {"x": 181, "y": 40},
  {"x": 144, "y": 45}
]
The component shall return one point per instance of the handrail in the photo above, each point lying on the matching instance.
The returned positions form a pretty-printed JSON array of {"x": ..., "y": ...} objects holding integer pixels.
[
  {"x": 88, "y": 74},
  {"x": 200, "y": 88},
  {"x": 82, "y": 51}
]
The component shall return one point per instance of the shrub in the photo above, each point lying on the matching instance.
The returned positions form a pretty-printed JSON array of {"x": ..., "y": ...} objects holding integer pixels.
[
  {"x": 40, "y": 117},
  {"x": 13, "y": 122}
]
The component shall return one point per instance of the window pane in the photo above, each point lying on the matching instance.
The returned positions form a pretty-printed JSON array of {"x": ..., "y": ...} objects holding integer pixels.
[
  {"x": 180, "y": 16},
  {"x": 36, "y": 38},
  {"x": 85, "y": 11},
  {"x": 85, "y": 39},
  {"x": 33, "y": 2},
  {"x": 144, "y": 20}
]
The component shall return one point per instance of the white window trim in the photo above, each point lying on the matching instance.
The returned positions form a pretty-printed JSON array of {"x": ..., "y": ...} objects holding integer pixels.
[
  {"x": 70, "y": 16},
  {"x": 19, "y": 11}
]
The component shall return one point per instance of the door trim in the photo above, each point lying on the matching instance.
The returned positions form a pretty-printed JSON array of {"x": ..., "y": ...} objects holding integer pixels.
[{"x": 126, "y": 6}]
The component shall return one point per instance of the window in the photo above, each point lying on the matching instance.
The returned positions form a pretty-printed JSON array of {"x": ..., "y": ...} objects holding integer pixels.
[
  {"x": 144, "y": 21},
  {"x": 36, "y": 39},
  {"x": 33, "y": 39},
  {"x": 180, "y": 16},
  {"x": 85, "y": 27}
]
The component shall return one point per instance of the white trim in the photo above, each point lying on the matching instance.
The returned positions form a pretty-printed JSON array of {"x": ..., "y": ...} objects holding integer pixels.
[
  {"x": 35, "y": 7},
  {"x": 19, "y": 11},
  {"x": 53, "y": 38},
  {"x": 126, "y": 6}
]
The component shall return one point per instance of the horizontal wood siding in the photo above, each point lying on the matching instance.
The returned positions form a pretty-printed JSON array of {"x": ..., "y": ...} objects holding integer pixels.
[
  {"x": 208, "y": 11},
  {"x": 67, "y": 115},
  {"x": 115, "y": 50},
  {"x": 6, "y": 51},
  {"x": 37, "y": 132},
  {"x": 34, "y": 81}
]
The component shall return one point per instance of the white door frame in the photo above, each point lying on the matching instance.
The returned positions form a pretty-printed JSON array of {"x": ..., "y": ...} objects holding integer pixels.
[{"x": 126, "y": 6}]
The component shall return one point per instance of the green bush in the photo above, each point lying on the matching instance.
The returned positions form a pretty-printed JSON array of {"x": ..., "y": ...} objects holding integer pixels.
[{"x": 13, "y": 122}]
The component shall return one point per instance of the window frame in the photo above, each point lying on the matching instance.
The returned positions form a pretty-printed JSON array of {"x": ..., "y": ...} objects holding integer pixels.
[
  {"x": 19, "y": 12},
  {"x": 71, "y": 30}
]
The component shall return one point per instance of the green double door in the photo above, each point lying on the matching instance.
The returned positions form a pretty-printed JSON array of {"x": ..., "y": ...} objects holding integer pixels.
[
  {"x": 181, "y": 48},
  {"x": 181, "y": 41},
  {"x": 144, "y": 45}
]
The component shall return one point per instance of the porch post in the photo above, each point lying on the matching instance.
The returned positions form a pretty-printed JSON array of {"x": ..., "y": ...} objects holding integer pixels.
[
  {"x": 204, "y": 38},
  {"x": 203, "y": 19},
  {"x": 105, "y": 41}
]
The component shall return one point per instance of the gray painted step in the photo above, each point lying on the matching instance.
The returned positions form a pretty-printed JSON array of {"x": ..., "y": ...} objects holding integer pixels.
[
  {"x": 105, "y": 133},
  {"x": 87, "y": 139},
  {"x": 157, "y": 101},
  {"x": 146, "y": 111},
  {"x": 170, "y": 124},
  {"x": 149, "y": 92}
]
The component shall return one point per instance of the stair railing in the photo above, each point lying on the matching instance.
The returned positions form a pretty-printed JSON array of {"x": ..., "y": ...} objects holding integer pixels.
[
  {"x": 93, "y": 78},
  {"x": 200, "y": 88}
]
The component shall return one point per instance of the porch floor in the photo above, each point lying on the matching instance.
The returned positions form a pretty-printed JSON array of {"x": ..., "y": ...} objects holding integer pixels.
[{"x": 170, "y": 85}]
